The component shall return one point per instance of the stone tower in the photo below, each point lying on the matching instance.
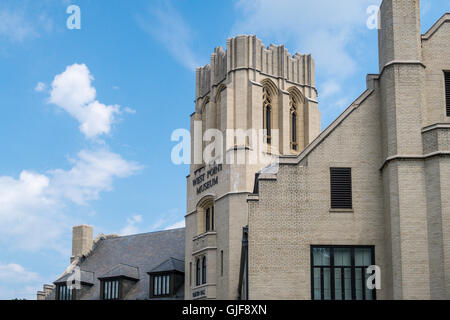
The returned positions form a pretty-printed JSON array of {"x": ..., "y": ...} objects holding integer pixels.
[
  {"x": 247, "y": 87},
  {"x": 413, "y": 173}
]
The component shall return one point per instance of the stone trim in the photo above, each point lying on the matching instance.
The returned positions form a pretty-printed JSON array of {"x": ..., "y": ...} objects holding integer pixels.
[
  {"x": 445, "y": 18},
  {"x": 436, "y": 126},
  {"x": 413, "y": 157}
]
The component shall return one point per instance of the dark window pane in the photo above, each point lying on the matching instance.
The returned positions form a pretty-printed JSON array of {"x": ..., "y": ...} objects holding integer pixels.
[
  {"x": 321, "y": 256},
  {"x": 447, "y": 93}
]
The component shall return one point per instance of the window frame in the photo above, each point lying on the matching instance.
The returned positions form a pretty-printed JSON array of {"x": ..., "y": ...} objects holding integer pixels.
[
  {"x": 72, "y": 291},
  {"x": 119, "y": 289},
  {"x": 332, "y": 268},
  {"x": 170, "y": 284},
  {"x": 209, "y": 218},
  {"x": 204, "y": 270},
  {"x": 447, "y": 92},
  {"x": 198, "y": 272}
]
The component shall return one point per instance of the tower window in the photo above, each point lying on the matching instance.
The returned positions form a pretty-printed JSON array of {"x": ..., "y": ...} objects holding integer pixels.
[
  {"x": 197, "y": 275},
  {"x": 447, "y": 92},
  {"x": 204, "y": 270},
  {"x": 294, "y": 144},
  {"x": 209, "y": 218},
  {"x": 267, "y": 112},
  {"x": 341, "y": 188}
]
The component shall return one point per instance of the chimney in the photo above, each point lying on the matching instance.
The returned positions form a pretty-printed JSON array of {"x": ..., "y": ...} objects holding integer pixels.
[
  {"x": 81, "y": 240},
  {"x": 40, "y": 295},
  {"x": 48, "y": 288}
]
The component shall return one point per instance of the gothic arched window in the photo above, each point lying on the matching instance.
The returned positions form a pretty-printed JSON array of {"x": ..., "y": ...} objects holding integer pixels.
[
  {"x": 209, "y": 218},
  {"x": 204, "y": 270},
  {"x": 267, "y": 112},
  {"x": 197, "y": 275},
  {"x": 293, "y": 111}
]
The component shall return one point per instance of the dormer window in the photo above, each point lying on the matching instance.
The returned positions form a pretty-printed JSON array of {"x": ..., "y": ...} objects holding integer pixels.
[
  {"x": 64, "y": 292},
  {"x": 161, "y": 285},
  {"x": 166, "y": 279},
  {"x": 111, "y": 289}
]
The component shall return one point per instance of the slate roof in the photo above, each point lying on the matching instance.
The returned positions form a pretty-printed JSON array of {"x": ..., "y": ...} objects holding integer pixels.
[
  {"x": 170, "y": 264},
  {"x": 132, "y": 256},
  {"x": 87, "y": 277}
]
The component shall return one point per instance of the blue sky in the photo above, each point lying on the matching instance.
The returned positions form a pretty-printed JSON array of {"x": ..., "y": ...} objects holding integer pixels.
[{"x": 87, "y": 115}]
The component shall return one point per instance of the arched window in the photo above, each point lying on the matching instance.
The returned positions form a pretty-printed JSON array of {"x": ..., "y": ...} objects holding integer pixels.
[
  {"x": 294, "y": 144},
  {"x": 209, "y": 218},
  {"x": 267, "y": 114},
  {"x": 204, "y": 270},
  {"x": 197, "y": 275}
]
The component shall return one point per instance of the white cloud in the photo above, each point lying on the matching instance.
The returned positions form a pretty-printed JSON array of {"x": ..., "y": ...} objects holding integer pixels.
[
  {"x": 129, "y": 110},
  {"x": 18, "y": 282},
  {"x": 323, "y": 28},
  {"x": 73, "y": 92},
  {"x": 15, "y": 26},
  {"x": 40, "y": 87},
  {"x": 93, "y": 172},
  {"x": 13, "y": 272},
  {"x": 132, "y": 225},
  {"x": 166, "y": 25},
  {"x": 179, "y": 224},
  {"x": 32, "y": 206}
]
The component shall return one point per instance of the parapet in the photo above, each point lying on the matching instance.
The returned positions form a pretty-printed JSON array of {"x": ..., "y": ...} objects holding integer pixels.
[{"x": 248, "y": 52}]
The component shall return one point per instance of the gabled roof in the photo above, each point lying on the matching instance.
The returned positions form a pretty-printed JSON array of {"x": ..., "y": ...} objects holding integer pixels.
[
  {"x": 445, "y": 18},
  {"x": 122, "y": 270},
  {"x": 170, "y": 264},
  {"x": 87, "y": 277}
]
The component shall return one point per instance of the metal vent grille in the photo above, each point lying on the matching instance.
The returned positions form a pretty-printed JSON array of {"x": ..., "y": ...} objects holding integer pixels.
[
  {"x": 341, "y": 188},
  {"x": 447, "y": 92}
]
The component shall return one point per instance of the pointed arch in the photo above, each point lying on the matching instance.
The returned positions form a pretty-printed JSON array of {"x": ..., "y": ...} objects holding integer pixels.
[
  {"x": 269, "y": 108},
  {"x": 296, "y": 119},
  {"x": 219, "y": 106}
]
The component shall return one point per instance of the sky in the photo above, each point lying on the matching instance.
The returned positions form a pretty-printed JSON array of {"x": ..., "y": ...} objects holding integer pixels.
[{"x": 87, "y": 114}]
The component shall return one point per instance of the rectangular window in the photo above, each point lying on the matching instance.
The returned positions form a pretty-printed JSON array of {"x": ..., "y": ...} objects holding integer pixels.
[
  {"x": 161, "y": 285},
  {"x": 447, "y": 92},
  {"x": 340, "y": 272},
  {"x": 110, "y": 289},
  {"x": 221, "y": 263},
  {"x": 63, "y": 292},
  {"x": 341, "y": 188}
]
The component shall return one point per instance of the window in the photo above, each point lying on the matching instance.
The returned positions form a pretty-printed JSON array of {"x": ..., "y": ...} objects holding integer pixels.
[
  {"x": 221, "y": 263},
  {"x": 204, "y": 270},
  {"x": 160, "y": 285},
  {"x": 341, "y": 188},
  {"x": 110, "y": 289},
  {"x": 293, "y": 103},
  {"x": 190, "y": 273},
  {"x": 447, "y": 92},
  {"x": 209, "y": 218},
  {"x": 197, "y": 275},
  {"x": 63, "y": 292},
  {"x": 267, "y": 112},
  {"x": 339, "y": 272}
]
